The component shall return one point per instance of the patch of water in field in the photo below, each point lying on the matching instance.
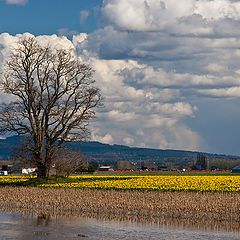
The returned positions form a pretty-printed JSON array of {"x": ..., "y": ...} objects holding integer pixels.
[{"x": 28, "y": 227}]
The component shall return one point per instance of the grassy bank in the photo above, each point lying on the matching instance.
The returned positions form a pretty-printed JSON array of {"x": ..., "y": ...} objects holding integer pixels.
[{"x": 191, "y": 208}]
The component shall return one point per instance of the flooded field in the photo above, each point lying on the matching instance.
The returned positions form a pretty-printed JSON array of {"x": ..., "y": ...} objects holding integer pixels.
[
  {"x": 45, "y": 227},
  {"x": 49, "y": 214}
]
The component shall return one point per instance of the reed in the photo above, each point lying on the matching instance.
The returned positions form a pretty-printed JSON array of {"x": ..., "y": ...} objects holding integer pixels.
[{"x": 205, "y": 208}]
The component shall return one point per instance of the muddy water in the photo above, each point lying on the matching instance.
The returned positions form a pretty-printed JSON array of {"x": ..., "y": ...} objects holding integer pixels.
[{"x": 43, "y": 227}]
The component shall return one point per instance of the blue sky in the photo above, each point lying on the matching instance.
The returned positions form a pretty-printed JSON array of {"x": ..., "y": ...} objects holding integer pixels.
[
  {"x": 168, "y": 69},
  {"x": 48, "y": 17}
]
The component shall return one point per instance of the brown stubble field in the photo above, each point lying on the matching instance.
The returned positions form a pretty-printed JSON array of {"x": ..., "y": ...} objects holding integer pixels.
[{"x": 194, "y": 209}]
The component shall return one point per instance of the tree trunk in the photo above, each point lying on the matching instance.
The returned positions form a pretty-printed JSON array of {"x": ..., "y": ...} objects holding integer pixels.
[{"x": 42, "y": 171}]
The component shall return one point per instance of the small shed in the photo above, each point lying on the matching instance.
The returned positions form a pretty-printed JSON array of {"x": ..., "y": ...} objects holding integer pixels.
[
  {"x": 3, "y": 173},
  {"x": 105, "y": 168},
  {"x": 29, "y": 171},
  {"x": 236, "y": 169},
  {"x": 198, "y": 167}
]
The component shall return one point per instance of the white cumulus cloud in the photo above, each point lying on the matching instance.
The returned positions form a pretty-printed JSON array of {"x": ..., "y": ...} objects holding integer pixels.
[
  {"x": 16, "y": 2},
  {"x": 182, "y": 17}
]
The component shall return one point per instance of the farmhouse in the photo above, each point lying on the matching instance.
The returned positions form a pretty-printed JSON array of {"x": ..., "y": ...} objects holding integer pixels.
[
  {"x": 105, "y": 168},
  {"x": 29, "y": 171},
  {"x": 5, "y": 167}
]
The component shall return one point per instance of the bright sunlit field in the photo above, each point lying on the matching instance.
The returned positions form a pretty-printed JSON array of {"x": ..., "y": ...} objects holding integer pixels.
[
  {"x": 157, "y": 183},
  {"x": 181, "y": 182}
]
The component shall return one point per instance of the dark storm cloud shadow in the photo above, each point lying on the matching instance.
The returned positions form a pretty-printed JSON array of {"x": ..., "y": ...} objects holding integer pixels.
[{"x": 217, "y": 122}]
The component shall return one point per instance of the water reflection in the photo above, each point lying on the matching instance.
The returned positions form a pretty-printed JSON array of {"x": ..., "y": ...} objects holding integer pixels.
[
  {"x": 47, "y": 227},
  {"x": 45, "y": 218}
]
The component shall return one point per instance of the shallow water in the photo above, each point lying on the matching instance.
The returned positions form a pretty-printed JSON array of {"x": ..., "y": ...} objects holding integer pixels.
[{"x": 44, "y": 227}]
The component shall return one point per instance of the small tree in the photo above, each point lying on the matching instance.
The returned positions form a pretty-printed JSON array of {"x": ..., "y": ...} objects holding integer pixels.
[
  {"x": 201, "y": 162},
  {"x": 53, "y": 99},
  {"x": 67, "y": 161},
  {"x": 22, "y": 155}
]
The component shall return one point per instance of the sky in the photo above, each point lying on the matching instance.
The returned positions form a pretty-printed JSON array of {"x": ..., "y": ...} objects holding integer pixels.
[{"x": 168, "y": 69}]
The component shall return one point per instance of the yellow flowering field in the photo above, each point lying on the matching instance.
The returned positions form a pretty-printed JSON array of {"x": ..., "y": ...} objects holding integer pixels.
[
  {"x": 159, "y": 183},
  {"x": 13, "y": 179},
  {"x": 151, "y": 183}
]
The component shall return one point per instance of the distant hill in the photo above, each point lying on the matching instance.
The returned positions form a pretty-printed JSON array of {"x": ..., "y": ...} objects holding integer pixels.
[{"x": 106, "y": 154}]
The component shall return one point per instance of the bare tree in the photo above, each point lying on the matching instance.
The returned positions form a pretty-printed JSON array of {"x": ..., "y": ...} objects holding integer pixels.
[
  {"x": 22, "y": 155},
  {"x": 54, "y": 98},
  {"x": 68, "y": 161}
]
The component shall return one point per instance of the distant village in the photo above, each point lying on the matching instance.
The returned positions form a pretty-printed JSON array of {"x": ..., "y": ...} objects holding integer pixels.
[{"x": 201, "y": 163}]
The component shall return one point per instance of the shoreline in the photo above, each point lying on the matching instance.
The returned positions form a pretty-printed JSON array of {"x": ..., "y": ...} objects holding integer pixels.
[{"x": 194, "y": 209}]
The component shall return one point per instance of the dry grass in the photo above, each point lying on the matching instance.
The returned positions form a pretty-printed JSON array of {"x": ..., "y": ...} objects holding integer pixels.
[{"x": 210, "y": 210}]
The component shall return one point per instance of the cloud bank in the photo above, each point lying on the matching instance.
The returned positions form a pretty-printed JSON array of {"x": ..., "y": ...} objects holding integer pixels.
[{"x": 157, "y": 62}]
